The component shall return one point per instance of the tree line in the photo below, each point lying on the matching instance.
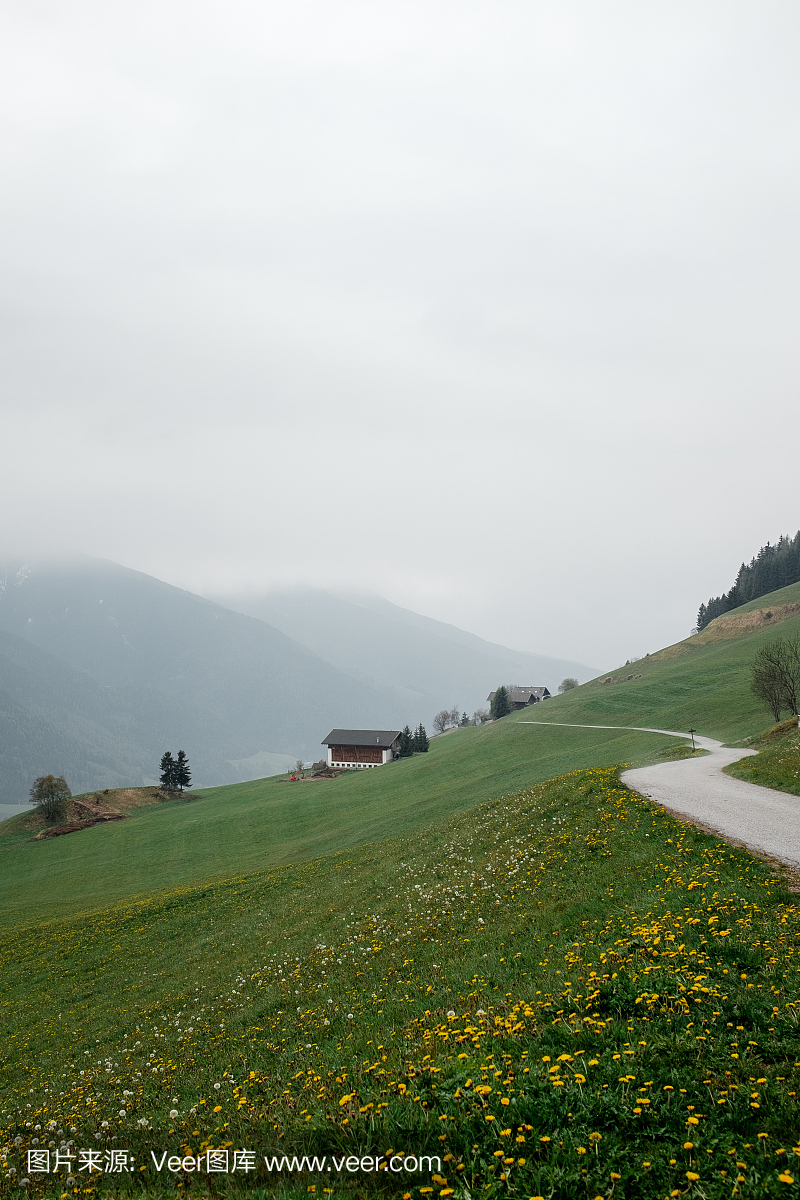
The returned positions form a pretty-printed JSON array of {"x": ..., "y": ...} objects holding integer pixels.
[
  {"x": 776, "y": 676},
  {"x": 772, "y": 568},
  {"x": 413, "y": 743},
  {"x": 453, "y": 718}
]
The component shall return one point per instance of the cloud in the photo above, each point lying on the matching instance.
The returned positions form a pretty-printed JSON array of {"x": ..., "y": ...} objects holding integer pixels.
[{"x": 490, "y": 307}]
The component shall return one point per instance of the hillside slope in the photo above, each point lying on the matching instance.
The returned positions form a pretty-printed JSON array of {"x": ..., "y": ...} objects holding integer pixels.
[
  {"x": 249, "y": 826},
  {"x": 138, "y": 665},
  {"x": 434, "y": 664},
  {"x": 702, "y": 682},
  {"x": 52, "y": 716},
  {"x": 565, "y": 993}
]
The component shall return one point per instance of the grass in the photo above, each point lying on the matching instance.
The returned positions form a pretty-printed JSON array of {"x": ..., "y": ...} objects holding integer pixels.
[
  {"x": 548, "y": 984},
  {"x": 702, "y": 682},
  {"x": 563, "y": 992},
  {"x": 249, "y": 826},
  {"x": 777, "y": 764}
]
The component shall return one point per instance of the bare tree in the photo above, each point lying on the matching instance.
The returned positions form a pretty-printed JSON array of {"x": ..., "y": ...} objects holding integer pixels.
[
  {"x": 480, "y": 716},
  {"x": 777, "y": 666},
  {"x": 455, "y": 715},
  {"x": 441, "y": 721},
  {"x": 766, "y": 684},
  {"x": 50, "y": 794}
]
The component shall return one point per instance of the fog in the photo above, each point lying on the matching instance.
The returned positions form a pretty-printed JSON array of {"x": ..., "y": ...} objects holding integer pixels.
[{"x": 490, "y": 308}]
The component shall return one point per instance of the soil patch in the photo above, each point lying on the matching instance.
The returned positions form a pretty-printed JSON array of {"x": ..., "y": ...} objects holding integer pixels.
[{"x": 97, "y": 808}]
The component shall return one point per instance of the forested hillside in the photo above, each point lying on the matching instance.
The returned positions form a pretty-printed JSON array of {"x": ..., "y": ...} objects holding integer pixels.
[{"x": 772, "y": 568}]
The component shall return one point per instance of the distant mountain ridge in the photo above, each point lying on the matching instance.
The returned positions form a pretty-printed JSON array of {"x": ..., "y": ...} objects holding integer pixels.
[
  {"x": 102, "y": 668},
  {"x": 433, "y": 664}
]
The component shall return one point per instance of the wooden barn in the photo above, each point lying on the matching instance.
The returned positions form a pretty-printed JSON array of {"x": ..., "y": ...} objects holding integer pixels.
[{"x": 361, "y": 748}]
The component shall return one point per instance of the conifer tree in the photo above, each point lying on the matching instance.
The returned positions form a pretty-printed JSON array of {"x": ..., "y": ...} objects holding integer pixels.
[
  {"x": 183, "y": 775},
  {"x": 167, "y": 769},
  {"x": 420, "y": 740},
  {"x": 406, "y": 746},
  {"x": 772, "y": 568},
  {"x": 501, "y": 705}
]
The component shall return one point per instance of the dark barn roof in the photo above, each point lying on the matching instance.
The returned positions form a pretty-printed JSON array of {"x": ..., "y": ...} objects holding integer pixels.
[
  {"x": 361, "y": 737},
  {"x": 522, "y": 695}
]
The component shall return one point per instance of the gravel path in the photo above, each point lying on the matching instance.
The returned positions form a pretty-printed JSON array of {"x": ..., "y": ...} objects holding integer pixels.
[{"x": 759, "y": 817}]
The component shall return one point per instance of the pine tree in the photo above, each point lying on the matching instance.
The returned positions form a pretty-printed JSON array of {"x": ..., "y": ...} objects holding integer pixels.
[
  {"x": 167, "y": 769},
  {"x": 406, "y": 746},
  {"x": 501, "y": 705},
  {"x": 772, "y": 568},
  {"x": 420, "y": 740},
  {"x": 183, "y": 775}
]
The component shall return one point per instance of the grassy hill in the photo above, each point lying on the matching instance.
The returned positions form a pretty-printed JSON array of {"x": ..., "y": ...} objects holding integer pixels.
[
  {"x": 701, "y": 682},
  {"x": 777, "y": 764},
  {"x": 563, "y": 993},
  {"x": 549, "y": 988},
  {"x": 251, "y": 826}
]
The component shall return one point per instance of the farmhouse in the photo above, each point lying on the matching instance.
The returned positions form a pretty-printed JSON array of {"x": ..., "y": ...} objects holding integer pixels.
[
  {"x": 361, "y": 747},
  {"x": 521, "y": 697}
]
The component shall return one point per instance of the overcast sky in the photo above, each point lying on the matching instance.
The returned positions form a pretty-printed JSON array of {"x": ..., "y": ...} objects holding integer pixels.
[{"x": 489, "y": 307}]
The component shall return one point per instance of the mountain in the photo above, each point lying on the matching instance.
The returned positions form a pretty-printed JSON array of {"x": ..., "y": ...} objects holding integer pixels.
[
  {"x": 702, "y": 683},
  {"x": 428, "y": 663},
  {"x": 102, "y": 667},
  {"x": 55, "y": 719}
]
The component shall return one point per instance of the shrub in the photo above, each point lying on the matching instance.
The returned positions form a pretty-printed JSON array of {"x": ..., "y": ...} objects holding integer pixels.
[{"x": 50, "y": 794}]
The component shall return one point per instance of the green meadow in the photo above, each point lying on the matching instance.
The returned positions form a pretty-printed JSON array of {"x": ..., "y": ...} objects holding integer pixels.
[
  {"x": 252, "y": 826},
  {"x": 702, "y": 683},
  {"x": 777, "y": 763},
  {"x": 561, "y": 993},
  {"x": 489, "y": 970}
]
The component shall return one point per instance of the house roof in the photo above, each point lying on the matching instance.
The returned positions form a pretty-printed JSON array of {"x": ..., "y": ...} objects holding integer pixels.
[
  {"x": 361, "y": 737},
  {"x": 525, "y": 693},
  {"x": 522, "y": 695}
]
